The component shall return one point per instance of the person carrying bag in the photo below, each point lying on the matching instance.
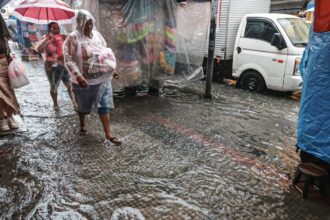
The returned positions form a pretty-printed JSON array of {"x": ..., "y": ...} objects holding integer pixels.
[
  {"x": 17, "y": 74},
  {"x": 8, "y": 102}
]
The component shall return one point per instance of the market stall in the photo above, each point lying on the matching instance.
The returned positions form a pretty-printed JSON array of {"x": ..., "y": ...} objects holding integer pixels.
[{"x": 154, "y": 40}]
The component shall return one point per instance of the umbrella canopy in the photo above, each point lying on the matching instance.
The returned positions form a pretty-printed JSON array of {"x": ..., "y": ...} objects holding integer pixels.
[{"x": 44, "y": 11}]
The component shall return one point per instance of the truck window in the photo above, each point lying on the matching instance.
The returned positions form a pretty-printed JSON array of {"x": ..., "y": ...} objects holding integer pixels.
[
  {"x": 260, "y": 29},
  {"x": 296, "y": 29}
]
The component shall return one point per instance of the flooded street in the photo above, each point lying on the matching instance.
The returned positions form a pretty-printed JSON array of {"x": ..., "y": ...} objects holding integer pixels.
[{"x": 182, "y": 157}]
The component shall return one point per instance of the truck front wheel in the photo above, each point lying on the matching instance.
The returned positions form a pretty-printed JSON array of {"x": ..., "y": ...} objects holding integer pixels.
[{"x": 253, "y": 82}]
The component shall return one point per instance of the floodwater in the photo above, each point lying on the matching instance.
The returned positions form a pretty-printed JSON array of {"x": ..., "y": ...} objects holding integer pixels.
[{"x": 183, "y": 157}]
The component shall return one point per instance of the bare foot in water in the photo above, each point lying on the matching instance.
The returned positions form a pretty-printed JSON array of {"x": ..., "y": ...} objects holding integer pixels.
[
  {"x": 114, "y": 140},
  {"x": 56, "y": 108}
]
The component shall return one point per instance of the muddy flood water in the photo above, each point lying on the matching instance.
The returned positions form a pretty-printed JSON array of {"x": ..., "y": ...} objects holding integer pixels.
[{"x": 182, "y": 157}]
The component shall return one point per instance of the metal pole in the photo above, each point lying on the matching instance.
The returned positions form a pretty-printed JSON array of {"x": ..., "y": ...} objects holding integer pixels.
[{"x": 210, "y": 56}]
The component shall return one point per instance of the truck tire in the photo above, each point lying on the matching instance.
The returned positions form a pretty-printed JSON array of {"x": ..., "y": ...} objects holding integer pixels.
[{"x": 253, "y": 82}]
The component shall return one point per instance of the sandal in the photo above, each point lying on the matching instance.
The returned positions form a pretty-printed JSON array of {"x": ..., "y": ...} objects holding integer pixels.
[
  {"x": 83, "y": 131},
  {"x": 115, "y": 141}
]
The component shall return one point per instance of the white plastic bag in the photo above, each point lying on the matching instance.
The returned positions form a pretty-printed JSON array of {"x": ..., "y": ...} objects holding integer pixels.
[{"x": 17, "y": 75}]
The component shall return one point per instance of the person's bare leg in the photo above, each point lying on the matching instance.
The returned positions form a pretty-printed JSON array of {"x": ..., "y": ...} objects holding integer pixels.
[
  {"x": 105, "y": 119},
  {"x": 83, "y": 130},
  {"x": 53, "y": 94},
  {"x": 69, "y": 87}
]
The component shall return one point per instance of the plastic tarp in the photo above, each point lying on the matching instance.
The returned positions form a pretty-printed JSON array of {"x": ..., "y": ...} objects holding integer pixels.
[
  {"x": 154, "y": 40},
  {"x": 314, "y": 115},
  {"x": 192, "y": 29}
]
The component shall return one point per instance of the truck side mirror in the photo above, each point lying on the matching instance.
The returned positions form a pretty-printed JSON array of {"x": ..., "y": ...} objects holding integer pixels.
[{"x": 278, "y": 41}]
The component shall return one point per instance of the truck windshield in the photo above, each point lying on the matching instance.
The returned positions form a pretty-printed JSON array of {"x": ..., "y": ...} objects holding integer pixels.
[{"x": 296, "y": 29}]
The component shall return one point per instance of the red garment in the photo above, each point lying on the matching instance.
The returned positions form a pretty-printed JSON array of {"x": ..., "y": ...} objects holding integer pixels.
[
  {"x": 322, "y": 16},
  {"x": 54, "y": 49},
  {"x": 58, "y": 41}
]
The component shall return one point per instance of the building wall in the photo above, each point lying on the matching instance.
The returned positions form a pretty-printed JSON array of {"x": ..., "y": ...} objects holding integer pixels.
[{"x": 288, "y": 6}]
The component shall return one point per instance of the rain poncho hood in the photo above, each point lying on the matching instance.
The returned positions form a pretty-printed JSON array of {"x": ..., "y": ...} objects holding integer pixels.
[
  {"x": 88, "y": 55},
  {"x": 314, "y": 115},
  {"x": 82, "y": 16}
]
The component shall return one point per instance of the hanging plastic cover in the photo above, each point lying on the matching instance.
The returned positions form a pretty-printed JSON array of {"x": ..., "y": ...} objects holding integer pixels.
[
  {"x": 314, "y": 115},
  {"x": 192, "y": 29},
  {"x": 154, "y": 40}
]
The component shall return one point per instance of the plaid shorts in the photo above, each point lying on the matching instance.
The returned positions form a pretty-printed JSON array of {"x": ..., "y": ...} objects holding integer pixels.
[{"x": 99, "y": 96}]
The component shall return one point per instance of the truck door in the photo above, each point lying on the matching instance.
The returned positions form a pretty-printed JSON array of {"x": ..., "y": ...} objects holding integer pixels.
[{"x": 254, "y": 51}]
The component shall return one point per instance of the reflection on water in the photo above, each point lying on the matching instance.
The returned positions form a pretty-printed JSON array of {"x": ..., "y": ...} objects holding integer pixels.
[{"x": 183, "y": 157}]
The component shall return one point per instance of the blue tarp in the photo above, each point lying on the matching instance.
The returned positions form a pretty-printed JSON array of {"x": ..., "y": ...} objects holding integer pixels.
[
  {"x": 314, "y": 115},
  {"x": 4, "y": 2}
]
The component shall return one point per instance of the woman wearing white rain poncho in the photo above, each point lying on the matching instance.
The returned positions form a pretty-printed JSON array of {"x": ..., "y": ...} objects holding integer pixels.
[{"x": 91, "y": 66}]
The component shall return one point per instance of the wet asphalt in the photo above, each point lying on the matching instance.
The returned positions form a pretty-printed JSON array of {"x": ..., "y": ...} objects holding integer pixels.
[{"x": 182, "y": 157}]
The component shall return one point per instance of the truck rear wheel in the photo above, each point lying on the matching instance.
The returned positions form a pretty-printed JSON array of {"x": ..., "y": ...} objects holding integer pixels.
[{"x": 253, "y": 82}]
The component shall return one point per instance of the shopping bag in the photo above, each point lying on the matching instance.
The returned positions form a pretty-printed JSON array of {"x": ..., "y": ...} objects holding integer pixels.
[{"x": 17, "y": 75}]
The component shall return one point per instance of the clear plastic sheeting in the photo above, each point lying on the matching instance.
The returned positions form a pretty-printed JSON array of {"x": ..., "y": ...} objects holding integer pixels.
[
  {"x": 314, "y": 116},
  {"x": 154, "y": 40},
  {"x": 192, "y": 28}
]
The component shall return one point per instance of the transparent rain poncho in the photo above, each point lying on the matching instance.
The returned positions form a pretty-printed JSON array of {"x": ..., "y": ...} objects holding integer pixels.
[
  {"x": 154, "y": 40},
  {"x": 88, "y": 55}
]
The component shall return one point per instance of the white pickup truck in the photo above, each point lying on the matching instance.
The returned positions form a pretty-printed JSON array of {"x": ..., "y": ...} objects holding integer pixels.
[
  {"x": 261, "y": 50},
  {"x": 268, "y": 50}
]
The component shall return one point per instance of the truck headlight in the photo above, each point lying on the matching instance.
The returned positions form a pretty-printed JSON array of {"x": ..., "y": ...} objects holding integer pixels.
[{"x": 296, "y": 71}]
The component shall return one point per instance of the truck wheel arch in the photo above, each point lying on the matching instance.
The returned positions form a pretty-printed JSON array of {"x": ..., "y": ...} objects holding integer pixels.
[{"x": 258, "y": 75}]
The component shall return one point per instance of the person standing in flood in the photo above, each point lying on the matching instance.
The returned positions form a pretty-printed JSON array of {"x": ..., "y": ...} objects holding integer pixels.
[
  {"x": 91, "y": 65},
  {"x": 8, "y": 102},
  {"x": 51, "y": 47}
]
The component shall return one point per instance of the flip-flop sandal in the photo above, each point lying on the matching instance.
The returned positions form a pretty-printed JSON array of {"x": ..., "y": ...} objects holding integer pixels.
[
  {"x": 115, "y": 141},
  {"x": 83, "y": 131}
]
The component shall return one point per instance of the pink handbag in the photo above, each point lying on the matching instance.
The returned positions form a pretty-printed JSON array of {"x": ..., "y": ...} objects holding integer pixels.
[{"x": 17, "y": 75}]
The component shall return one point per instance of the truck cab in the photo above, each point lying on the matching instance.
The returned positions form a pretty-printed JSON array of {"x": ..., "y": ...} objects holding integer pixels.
[{"x": 268, "y": 50}]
